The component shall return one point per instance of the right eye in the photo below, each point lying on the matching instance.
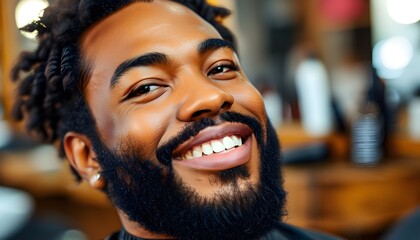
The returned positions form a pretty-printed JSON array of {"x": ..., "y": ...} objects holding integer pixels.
[{"x": 143, "y": 90}]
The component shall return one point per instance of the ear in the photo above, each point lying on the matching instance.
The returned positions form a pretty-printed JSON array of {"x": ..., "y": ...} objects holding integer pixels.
[{"x": 79, "y": 151}]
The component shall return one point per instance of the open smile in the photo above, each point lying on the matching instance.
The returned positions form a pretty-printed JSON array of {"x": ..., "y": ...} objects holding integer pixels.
[{"x": 216, "y": 148}]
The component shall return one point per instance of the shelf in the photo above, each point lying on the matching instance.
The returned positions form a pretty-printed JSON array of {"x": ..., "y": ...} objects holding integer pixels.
[{"x": 343, "y": 198}]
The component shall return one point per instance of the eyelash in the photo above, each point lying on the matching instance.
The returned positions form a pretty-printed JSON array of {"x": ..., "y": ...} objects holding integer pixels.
[
  {"x": 138, "y": 91},
  {"x": 230, "y": 66}
]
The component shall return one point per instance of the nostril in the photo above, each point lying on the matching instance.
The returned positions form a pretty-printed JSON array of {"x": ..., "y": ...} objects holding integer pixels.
[
  {"x": 199, "y": 113},
  {"x": 225, "y": 105}
]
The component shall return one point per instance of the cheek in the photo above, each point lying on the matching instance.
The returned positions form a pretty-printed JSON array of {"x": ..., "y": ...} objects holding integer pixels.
[
  {"x": 144, "y": 127},
  {"x": 100, "y": 109},
  {"x": 249, "y": 98}
]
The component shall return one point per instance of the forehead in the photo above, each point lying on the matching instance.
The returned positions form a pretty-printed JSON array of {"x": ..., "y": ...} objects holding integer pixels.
[{"x": 142, "y": 27}]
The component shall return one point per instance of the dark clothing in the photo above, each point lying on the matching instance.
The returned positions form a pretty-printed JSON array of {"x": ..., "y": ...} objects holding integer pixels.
[
  {"x": 406, "y": 228},
  {"x": 282, "y": 231}
]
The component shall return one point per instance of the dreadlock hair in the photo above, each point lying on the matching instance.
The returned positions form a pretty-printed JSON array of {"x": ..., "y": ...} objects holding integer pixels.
[{"x": 50, "y": 92}]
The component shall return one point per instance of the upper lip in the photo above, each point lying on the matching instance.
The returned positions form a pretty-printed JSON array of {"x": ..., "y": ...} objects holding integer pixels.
[{"x": 212, "y": 133}]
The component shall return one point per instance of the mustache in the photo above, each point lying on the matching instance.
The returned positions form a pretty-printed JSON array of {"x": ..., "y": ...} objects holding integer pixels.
[{"x": 164, "y": 152}]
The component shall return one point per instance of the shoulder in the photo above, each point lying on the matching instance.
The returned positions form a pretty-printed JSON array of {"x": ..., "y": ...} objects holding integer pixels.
[{"x": 284, "y": 231}]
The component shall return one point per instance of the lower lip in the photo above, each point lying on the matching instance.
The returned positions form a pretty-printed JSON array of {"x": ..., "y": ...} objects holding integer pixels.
[{"x": 220, "y": 161}]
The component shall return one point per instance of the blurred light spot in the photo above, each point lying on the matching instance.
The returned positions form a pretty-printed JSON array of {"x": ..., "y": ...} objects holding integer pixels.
[
  {"x": 213, "y": 2},
  {"x": 73, "y": 235},
  {"x": 391, "y": 56},
  {"x": 404, "y": 11},
  {"x": 396, "y": 53},
  {"x": 343, "y": 11},
  {"x": 27, "y": 11}
]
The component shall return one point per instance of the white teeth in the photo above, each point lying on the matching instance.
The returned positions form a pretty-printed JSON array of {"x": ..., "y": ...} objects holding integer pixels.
[
  {"x": 237, "y": 141},
  {"x": 197, "y": 151},
  {"x": 188, "y": 155},
  {"x": 228, "y": 142},
  {"x": 217, "y": 146},
  {"x": 207, "y": 148},
  {"x": 214, "y": 146}
]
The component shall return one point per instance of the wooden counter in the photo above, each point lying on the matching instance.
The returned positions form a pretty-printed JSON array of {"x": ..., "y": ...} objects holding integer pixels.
[{"x": 346, "y": 199}]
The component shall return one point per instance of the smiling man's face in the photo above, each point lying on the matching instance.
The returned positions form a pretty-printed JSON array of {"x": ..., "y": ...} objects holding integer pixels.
[
  {"x": 169, "y": 98},
  {"x": 180, "y": 71}
]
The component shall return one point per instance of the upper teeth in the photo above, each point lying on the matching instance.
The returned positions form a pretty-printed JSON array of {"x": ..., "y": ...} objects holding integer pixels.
[{"x": 213, "y": 146}]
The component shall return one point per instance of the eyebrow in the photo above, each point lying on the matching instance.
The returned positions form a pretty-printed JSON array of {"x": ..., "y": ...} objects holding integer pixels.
[
  {"x": 140, "y": 61},
  {"x": 213, "y": 44}
]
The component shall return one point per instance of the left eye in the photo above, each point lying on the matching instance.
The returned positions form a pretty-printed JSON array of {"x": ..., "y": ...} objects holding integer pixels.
[{"x": 222, "y": 69}]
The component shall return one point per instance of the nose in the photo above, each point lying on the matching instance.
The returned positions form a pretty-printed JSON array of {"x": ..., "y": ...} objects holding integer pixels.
[{"x": 203, "y": 99}]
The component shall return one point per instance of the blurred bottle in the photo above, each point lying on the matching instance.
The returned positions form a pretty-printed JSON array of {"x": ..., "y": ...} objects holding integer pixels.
[
  {"x": 314, "y": 97},
  {"x": 273, "y": 106},
  {"x": 368, "y": 129},
  {"x": 366, "y": 136}
]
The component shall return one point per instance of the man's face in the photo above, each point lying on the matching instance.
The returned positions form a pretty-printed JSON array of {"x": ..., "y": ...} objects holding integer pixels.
[
  {"x": 177, "y": 79},
  {"x": 166, "y": 90}
]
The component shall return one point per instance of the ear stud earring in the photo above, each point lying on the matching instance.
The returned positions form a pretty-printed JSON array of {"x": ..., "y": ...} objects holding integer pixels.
[
  {"x": 97, "y": 176},
  {"x": 96, "y": 180}
]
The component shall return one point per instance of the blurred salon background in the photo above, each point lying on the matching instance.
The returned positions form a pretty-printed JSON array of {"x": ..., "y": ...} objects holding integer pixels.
[{"x": 341, "y": 83}]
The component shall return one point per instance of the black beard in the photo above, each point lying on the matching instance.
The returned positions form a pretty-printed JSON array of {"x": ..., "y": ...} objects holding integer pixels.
[{"x": 151, "y": 193}]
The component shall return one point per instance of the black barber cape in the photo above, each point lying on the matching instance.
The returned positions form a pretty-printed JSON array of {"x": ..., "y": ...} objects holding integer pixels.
[{"x": 282, "y": 231}]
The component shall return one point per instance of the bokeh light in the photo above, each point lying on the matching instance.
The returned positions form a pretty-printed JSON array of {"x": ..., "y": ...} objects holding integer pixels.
[
  {"x": 28, "y": 11},
  {"x": 391, "y": 56},
  {"x": 404, "y": 11}
]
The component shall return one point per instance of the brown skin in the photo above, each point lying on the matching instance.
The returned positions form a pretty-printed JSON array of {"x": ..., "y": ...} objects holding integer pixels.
[{"x": 184, "y": 92}]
